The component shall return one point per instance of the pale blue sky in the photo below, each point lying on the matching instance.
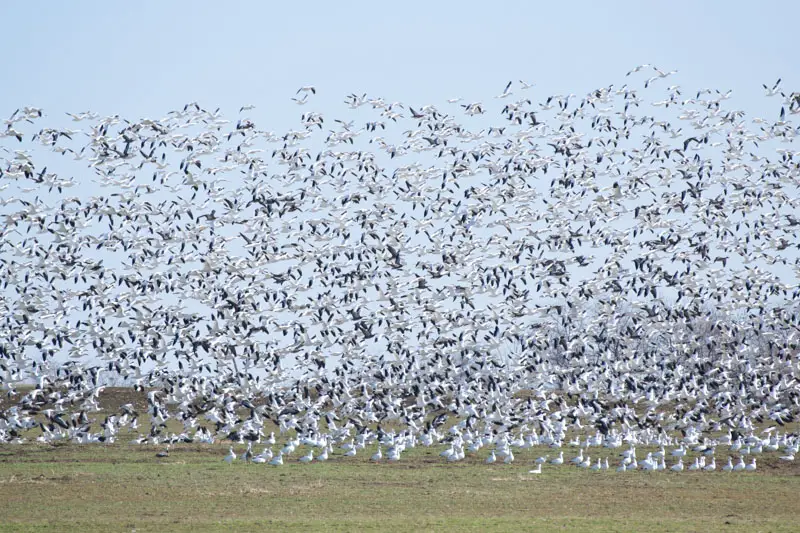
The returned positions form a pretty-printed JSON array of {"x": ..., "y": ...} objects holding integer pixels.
[{"x": 144, "y": 58}]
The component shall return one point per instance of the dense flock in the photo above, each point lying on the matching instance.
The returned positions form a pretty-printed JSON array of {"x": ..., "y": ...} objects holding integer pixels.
[{"x": 605, "y": 270}]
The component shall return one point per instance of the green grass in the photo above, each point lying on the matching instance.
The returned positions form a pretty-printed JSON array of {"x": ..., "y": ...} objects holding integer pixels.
[{"x": 122, "y": 487}]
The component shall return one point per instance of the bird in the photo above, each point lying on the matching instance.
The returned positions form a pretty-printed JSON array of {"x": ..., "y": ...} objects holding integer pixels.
[
  {"x": 307, "y": 458},
  {"x": 263, "y": 457},
  {"x": 231, "y": 457},
  {"x": 491, "y": 458},
  {"x": 772, "y": 91},
  {"x": 505, "y": 92},
  {"x": 277, "y": 460},
  {"x": 377, "y": 456},
  {"x": 729, "y": 466}
]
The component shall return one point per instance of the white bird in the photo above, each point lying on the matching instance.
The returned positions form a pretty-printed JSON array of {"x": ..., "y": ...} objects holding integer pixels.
[
  {"x": 231, "y": 457},
  {"x": 263, "y": 457},
  {"x": 678, "y": 452},
  {"x": 491, "y": 458},
  {"x": 505, "y": 92},
  {"x": 377, "y": 456},
  {"x": 579, "y": 458},
  {"x": 278, "y": 459},
  {"x": 774, "y": 90},
  {"x": 307, "y": 458},
  {"x": 728, "y": 467},
  {"x": 537, "y": 470}
]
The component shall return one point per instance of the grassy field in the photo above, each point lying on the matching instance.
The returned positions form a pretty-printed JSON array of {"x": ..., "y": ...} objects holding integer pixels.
[
  {"x": 126, "y": 488},
  {"x": 122, "y": 487}
]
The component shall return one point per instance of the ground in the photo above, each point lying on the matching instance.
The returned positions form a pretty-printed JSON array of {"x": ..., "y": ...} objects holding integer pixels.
[{"x": 123, "y": 487}]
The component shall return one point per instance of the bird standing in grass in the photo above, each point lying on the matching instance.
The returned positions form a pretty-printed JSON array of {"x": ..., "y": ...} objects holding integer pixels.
[{"x": 231, "y": 457}]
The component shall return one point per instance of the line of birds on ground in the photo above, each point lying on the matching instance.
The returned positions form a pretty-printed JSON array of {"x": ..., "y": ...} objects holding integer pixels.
[
  {"x": 576, "y": 265},
  {"x": 502, "y": 451}
]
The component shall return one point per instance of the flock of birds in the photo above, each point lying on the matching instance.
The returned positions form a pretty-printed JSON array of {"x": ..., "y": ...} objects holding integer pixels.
[
  {"x": 502, "y": 450},
  {"x": 612, "y": 270}
]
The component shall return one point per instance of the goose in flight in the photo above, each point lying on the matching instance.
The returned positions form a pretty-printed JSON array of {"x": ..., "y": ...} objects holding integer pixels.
[
  {"x": 775, "y": 89},
  {"x": 506, "y": 92}
]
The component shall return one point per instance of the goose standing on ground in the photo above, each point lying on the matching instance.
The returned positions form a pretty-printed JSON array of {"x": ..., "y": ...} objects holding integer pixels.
[
  {"x": 307, "y": 458},
  {"x": 231, "y": 457},
  {"x": 728, "y": 467},
  {"x": 377, "y": 456},
  {"x": 278, "y": 459}
]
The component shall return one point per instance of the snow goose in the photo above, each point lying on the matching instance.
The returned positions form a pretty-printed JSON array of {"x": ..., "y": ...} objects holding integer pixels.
[
  {"x": 231, "y": 457},
  {"x": 579, "y": 458},
  {"x": 491, "y": 458},
  {"x": 278, "y": 459},
  {"x": 377, "y": 456},
  {"x": 263, "y": 457},
  {"x": 307, "y": 458},
  {"x": 728, "y": 467}
]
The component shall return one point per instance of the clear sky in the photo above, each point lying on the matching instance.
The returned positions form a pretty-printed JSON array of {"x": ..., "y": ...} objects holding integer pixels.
[{"x": 147, "y": 57}]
